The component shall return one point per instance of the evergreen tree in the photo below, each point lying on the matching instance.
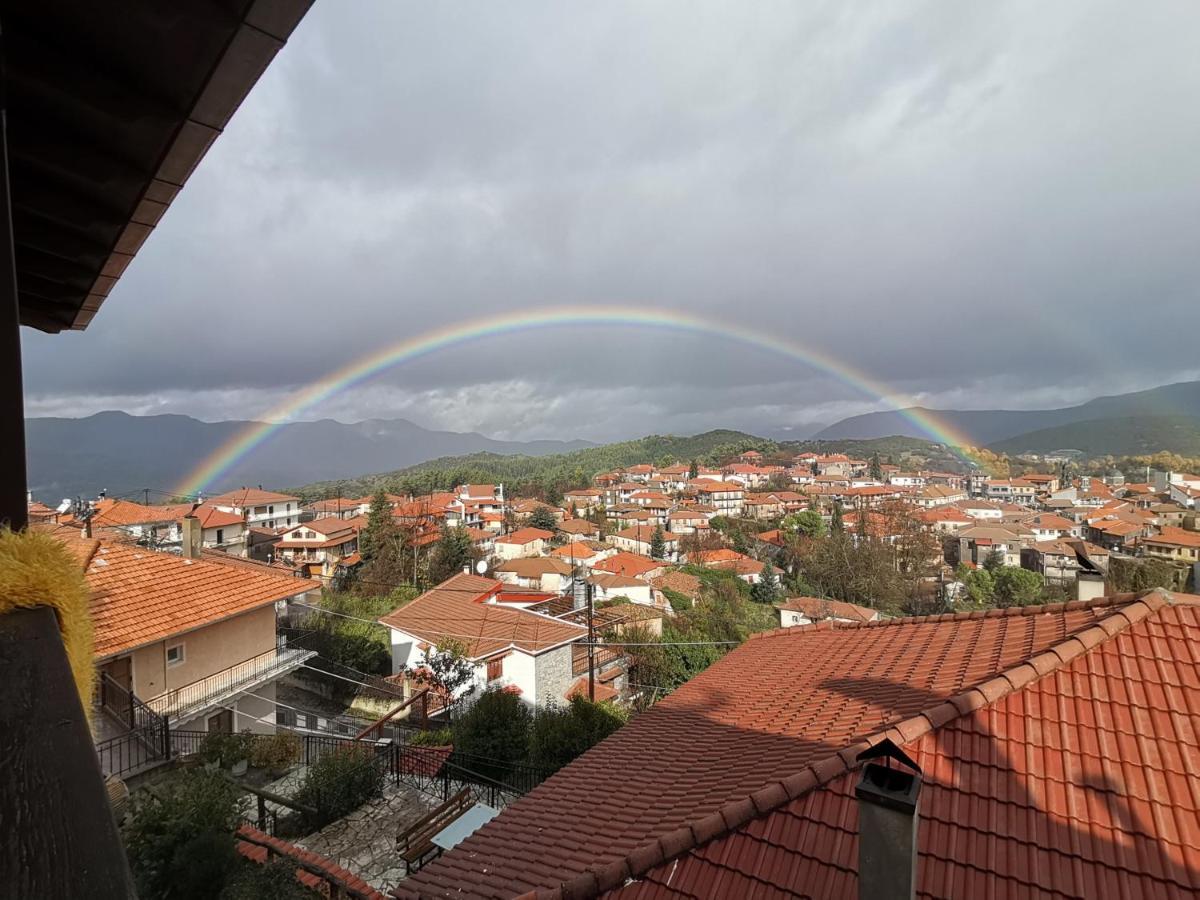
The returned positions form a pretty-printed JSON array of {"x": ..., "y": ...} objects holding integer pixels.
[
  {"x": 766, "y": 590},
  {"x": 543, "y": 517},
  {"x": 658, "y": 544},
  {"x": 876, "y": 469},
  {"x": 453, "y": 552},
  {"x": 836, "y": 525},
  {"x": 693, "y": 469},
  {"x": 379, "y": 528}
]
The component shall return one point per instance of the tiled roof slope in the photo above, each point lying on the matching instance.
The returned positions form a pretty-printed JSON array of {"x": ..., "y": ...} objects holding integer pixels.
[
  {"x": 454, "y": 610},
  {"x": 1080, "y": 783},
  {"x": 140, "y": 596},
  {"x": 785, "y": 702}
]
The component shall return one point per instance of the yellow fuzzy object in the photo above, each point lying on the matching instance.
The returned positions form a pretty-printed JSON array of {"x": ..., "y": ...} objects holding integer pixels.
[{"x": 37, "y": 570}]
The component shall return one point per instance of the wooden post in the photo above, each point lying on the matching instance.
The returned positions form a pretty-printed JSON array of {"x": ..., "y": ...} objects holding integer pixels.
[{"x": 14, "y": 506}]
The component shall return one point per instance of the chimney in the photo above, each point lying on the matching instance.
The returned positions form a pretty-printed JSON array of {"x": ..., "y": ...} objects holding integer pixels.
[
  {"x": 191, "y": 537},
  {"x": 888, "y": 823},
  {"x": 1089, "y": 585}
]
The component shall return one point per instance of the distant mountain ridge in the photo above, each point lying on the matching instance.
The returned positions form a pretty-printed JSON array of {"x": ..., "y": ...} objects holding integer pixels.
[
  {"x": 1116, "y": 436},
  {"x": 987, "y": 427},
  {"x": 122, "y": 454}
]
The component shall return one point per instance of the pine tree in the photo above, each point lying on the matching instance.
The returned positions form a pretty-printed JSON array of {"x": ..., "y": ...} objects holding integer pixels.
[
  {"x": 658, "y": 543},
  {"x": 693, "y": 469},
  {"x": 452, "y": 554},
  {"x": 766, "y": 589},
  {"x": 379, "y": 528},
  {"x": 836, "y": 525},
  {"x": 876, "y": 468},
  {"x": 543, "y": 517}
]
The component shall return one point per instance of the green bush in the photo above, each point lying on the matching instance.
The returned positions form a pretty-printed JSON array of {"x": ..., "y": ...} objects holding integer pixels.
[
  {"x": 679, "y": 602},
  {"x": 275, "y": 752},
  {"x": 274, "y": 881},
  {"x": 225, "y": 749},
  {"x": 441, "y": 737},
  {"x": 561, "y": 733},
  {"x": 179, "y": 838},
  {"x": 496, "y": 726},
  {"x": 339, "y": 783}
]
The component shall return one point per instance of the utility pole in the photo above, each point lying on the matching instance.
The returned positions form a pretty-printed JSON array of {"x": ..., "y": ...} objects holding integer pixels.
[{"x": 591, "y": 644}]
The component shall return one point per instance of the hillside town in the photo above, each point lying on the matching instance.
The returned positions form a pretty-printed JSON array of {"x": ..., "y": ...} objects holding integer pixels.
[{"x": 252, "y": 622}]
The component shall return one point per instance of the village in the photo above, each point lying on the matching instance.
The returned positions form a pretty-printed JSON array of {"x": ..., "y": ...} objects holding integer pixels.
[{"x": 252, "y": 626}]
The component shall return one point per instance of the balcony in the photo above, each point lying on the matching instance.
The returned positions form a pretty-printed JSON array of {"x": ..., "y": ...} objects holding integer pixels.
[{"x": 191, "y": 699}]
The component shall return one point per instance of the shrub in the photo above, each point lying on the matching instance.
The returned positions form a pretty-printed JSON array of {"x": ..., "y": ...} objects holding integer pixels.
[
  {"x": 496, "y": 727},
  {"x": 275, "y": 752},
  {"x": 274, "y": 881},
  {"x": 179, "y": 838},
  {"x": 561, "y": 733},
  {"x": 339, "y": 783},
  {"x": 442, "y": 737}
]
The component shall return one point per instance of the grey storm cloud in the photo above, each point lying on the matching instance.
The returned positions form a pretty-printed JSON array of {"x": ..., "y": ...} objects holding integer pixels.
[{"x": 978, "y": 204}]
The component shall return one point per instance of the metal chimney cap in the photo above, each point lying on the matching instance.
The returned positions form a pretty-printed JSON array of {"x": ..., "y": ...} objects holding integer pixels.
[{"x": 883, "y": 785}]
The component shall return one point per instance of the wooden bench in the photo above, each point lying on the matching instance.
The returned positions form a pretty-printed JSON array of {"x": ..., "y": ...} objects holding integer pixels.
[{"x": 415, "y": 843}]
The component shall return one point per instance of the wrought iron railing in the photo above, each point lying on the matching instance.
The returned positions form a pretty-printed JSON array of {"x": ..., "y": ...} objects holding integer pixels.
[
  {"x": 146, "y": 743},
  {"x": 201, "y": 693}
]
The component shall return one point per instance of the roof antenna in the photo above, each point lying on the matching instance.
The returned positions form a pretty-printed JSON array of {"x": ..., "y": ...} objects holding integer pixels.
[{"x": 888, "y": 823}]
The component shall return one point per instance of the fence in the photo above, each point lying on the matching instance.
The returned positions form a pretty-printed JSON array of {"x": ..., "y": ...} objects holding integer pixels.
[{"x": 148, "y": 740}]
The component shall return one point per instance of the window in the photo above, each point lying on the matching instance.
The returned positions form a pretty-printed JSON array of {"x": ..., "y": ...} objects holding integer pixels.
[
  {"x": 175, "y": 655},
  {"x": 270, "y": 510},
  {"x": 220, "y": 535},
  {"x": 495, "y": 668}
]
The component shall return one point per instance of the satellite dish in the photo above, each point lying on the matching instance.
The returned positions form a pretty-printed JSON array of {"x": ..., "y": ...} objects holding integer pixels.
[{"x": 481, "y": 566}]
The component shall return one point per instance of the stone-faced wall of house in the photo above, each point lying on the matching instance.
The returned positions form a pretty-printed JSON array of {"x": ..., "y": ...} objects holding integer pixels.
[{"x": 553, "y": 676}]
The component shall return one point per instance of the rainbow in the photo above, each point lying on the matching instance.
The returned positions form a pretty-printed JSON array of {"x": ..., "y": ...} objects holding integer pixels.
[{"x": 220, "y": 461}]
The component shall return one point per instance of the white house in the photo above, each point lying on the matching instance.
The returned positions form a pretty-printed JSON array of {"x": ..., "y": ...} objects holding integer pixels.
[
  {"x": 319, "y": 545},
  {"x": 539, "y": 573},
  {"x": 607, "y": 586},
  {"x": 518, "y": 650},
  {"x": 259, "y": 508},
  {"x": 220, "y": 530},
  {"x": 522, "y": 542},
  {"x": 807, "y": 610},
  {"x": 639, "y": 538}
]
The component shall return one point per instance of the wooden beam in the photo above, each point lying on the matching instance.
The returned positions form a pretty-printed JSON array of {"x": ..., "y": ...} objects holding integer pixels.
[
  {"x": 57, "y": 834},
  {"x": 14, "y": 508}
]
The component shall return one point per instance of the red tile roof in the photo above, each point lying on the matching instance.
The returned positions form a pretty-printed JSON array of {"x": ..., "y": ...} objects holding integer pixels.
[
  {"x": 211, "y": 517},
  {"x": 625, "y": 563},
  {"x": 1171, "y": 536},
  {"x": 454, "y": 610},
  {"x": 818, "y": 608},
  {"x": 249, "y": 497},
  {"x": 525, "y": 536},
  {"x": 1057, "y": 743},
  {"x": 141, "y": 596}
]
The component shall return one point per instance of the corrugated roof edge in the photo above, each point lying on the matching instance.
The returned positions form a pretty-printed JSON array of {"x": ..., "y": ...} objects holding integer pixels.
[{"x": 1133, "y": 608}]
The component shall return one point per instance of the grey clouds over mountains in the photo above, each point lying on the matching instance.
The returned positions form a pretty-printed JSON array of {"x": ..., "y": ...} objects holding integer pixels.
[{"x": 979, "y": 205}]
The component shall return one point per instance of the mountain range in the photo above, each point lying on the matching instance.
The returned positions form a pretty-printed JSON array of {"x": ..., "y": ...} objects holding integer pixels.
[
  {"x": 1005, "y": 428},
  {"x": 126, "y": 454}
]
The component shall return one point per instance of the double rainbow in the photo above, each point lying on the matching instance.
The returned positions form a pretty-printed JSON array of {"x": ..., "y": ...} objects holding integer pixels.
[{"x": 215, "y": 466}]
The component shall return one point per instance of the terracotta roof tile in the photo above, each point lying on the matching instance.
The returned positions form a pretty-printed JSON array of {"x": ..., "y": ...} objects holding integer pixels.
[
  {"x": 787, "y": 701},
  {"x": 456, "y": 610},
  {"x": 141, "y": 596}
]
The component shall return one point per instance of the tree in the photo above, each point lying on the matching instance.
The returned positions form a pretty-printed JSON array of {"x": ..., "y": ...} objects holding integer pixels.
[
  {"x": 454, "y": 552},
  {"x": 836, "y": 525},
  {"x": 379, "y": 529},
  {"x": 766, "y": 589},
  {"x": 980, "y": 587},
  {"x": 807, "y": 522},
  {"x": 693, "y": 469},
  {"x": 658, "y": 543},
  {"x": 448, "y": 672},
  {"x": 994, "y": 561},
  {"x": 876, "y": 469},
  {"x": 1015, "y": 586},
  {"x": 495, "y": 727},
  {"x": 562, "y": 733},
  {"x": 179, "y": 839},
  {"x": 543, "y": 517}
]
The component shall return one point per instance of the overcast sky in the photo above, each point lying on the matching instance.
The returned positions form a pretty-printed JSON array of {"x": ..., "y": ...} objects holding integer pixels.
[{"x": 980, "y": 204}]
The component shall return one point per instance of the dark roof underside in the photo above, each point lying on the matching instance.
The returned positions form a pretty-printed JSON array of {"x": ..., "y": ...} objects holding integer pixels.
[{"x": 110, "y": 106}]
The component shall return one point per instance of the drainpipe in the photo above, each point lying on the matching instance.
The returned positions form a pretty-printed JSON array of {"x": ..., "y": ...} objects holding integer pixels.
[{"x": 888, "y": 824}]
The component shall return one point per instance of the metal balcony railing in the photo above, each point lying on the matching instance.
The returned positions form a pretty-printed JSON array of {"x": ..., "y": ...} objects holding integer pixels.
[{"x": 193, "y": 697}]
